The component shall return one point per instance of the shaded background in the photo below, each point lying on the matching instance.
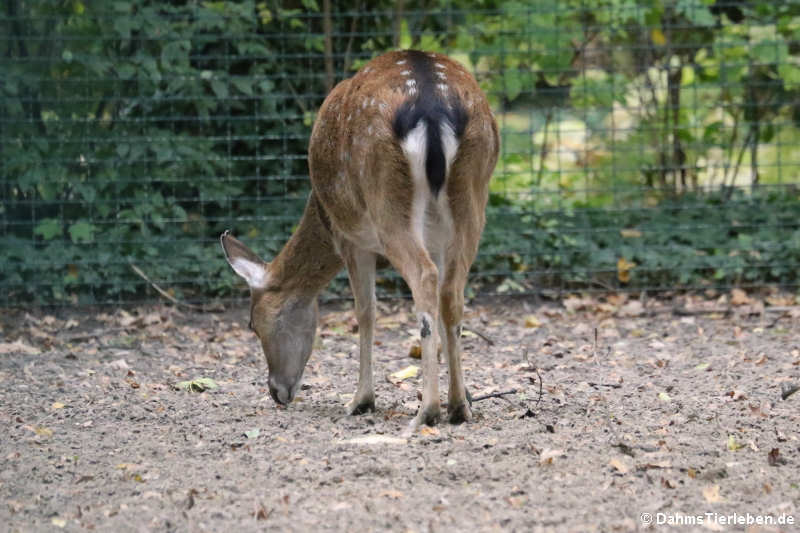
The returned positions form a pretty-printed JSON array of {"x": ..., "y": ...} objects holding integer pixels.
[{"x": 646, "y": 146}]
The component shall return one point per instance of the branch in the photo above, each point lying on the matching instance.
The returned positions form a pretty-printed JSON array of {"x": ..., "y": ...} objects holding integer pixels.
[
  {"x": 494, "y": 395},
  {"x": 480, "y": 334},
  {"x": 164, "y": 293}
]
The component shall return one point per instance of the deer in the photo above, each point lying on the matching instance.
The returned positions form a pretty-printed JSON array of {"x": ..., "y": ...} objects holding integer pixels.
[{"x": 400, "y": 158}]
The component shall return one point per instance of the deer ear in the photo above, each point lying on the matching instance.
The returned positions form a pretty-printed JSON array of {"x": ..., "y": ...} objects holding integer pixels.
[{"x": 244, "y": 262}]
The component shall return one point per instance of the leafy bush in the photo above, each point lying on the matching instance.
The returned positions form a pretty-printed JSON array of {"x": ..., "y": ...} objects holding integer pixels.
[
  {"x": 134, "y": 132},
  {"x": 690, "y": 241}
]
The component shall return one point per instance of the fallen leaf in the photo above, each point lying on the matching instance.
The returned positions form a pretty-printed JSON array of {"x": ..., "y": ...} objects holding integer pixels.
[
  {"x": 733, "y": 445},
  {"x": 711, "y": 494},
  {"x": 16, "y": 347},
  {"x": 415, "y": 352},
  {"x": 774, "y": 458},
  {"x": 621, "y": 467},
  {"x": 573, "y": 303},
  {"x": 429, "y": 431},
  {"x": 531, "y": 321},
  {"x": 739, "y": 297},
  {"x": 197, "y": 385},
  {"x": 57, "y": 405},
  {"x": 119, "y": 364},
  {"x": 633, "y": 308},
  {"x": 58, "y": 522},
  {"x": 43, "y": 431},
  {"x": 664, "y": 397},
  {"x": 252, "y": 433},
  {"x": 547, "y": 456},
  {"x": 408, "y": 372}
]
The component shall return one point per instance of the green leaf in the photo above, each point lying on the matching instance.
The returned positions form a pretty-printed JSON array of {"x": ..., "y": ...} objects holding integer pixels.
[
  {"x": 244, "y": 85},
  {"x": 48, "y": 228},
  {"x": 252, "y": 433},
  {"x": 696, "y": 12},
  {"x": 82, "y": 231},
  {"x": 220, "y": 89}
]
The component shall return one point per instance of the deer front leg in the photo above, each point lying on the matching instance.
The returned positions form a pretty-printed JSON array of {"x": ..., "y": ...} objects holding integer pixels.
[{"x": 361, "y": 271}]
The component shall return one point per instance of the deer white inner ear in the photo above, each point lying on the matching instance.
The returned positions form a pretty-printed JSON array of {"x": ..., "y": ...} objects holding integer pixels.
[{"x": 254, "y": 273}]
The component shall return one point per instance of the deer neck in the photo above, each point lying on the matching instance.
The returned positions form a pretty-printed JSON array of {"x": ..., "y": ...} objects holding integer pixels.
[{"x": 308, "y": 260}]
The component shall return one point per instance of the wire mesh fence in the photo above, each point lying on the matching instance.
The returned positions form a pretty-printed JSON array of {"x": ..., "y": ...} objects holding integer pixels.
[{"x": 645, "y": 146}]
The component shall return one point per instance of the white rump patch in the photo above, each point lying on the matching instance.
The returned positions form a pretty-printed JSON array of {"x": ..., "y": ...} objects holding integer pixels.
[
  {"x": 415, "y": 148},
  {"x": 254, "y": 274},
  {"x": 449, "y": 145}
]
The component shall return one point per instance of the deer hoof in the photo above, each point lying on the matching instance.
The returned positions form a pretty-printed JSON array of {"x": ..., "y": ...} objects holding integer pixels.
[
  {"x": 459, "y": 414},
  {"x": 359, "y": 406}
]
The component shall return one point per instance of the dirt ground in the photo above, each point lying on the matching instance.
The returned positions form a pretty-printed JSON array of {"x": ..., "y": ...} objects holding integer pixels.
[{"x": 673, "y": 407}]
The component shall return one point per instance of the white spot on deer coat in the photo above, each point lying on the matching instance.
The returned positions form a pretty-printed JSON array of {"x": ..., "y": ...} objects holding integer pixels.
[
  {"x": 401, "y": 62},
  {"x": 441, "y": 75},
  {"x": 405, "y": 72}
]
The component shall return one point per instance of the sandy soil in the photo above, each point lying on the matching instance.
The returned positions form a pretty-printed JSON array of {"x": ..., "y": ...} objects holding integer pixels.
[{"x": 642, "y": 410}]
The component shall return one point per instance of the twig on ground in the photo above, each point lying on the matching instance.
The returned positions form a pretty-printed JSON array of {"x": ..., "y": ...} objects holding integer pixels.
[
  {"x": 534, "y": 368},
  {"x": 165, "y": 294},
  {"x": 480, "y": 334},
  {"x": 612, "y": 385},
  {"x": 493, "y": 395}
]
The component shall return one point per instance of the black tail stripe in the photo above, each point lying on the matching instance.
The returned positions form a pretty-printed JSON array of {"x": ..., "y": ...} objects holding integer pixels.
[
  {"x": 429, "y": 105},
  {"x": 435, "y": 164}
]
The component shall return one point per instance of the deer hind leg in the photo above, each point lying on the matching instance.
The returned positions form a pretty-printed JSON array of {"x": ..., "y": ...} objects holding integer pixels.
[
  {"x": 414, "y": 264},
  {"x": 452, "y": 310},
  {"x": 361, "y": 271}
]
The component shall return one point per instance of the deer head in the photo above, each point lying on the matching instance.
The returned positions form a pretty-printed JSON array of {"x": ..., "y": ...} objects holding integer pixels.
[{"x": 285, "y": 321}]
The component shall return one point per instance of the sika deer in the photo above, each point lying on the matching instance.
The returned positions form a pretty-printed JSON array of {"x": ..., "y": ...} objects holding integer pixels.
[{"x": 400, "y": 159}]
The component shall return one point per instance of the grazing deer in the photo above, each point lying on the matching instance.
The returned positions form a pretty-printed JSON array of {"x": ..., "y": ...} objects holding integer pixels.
[{"x": 400, "y": 159}]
